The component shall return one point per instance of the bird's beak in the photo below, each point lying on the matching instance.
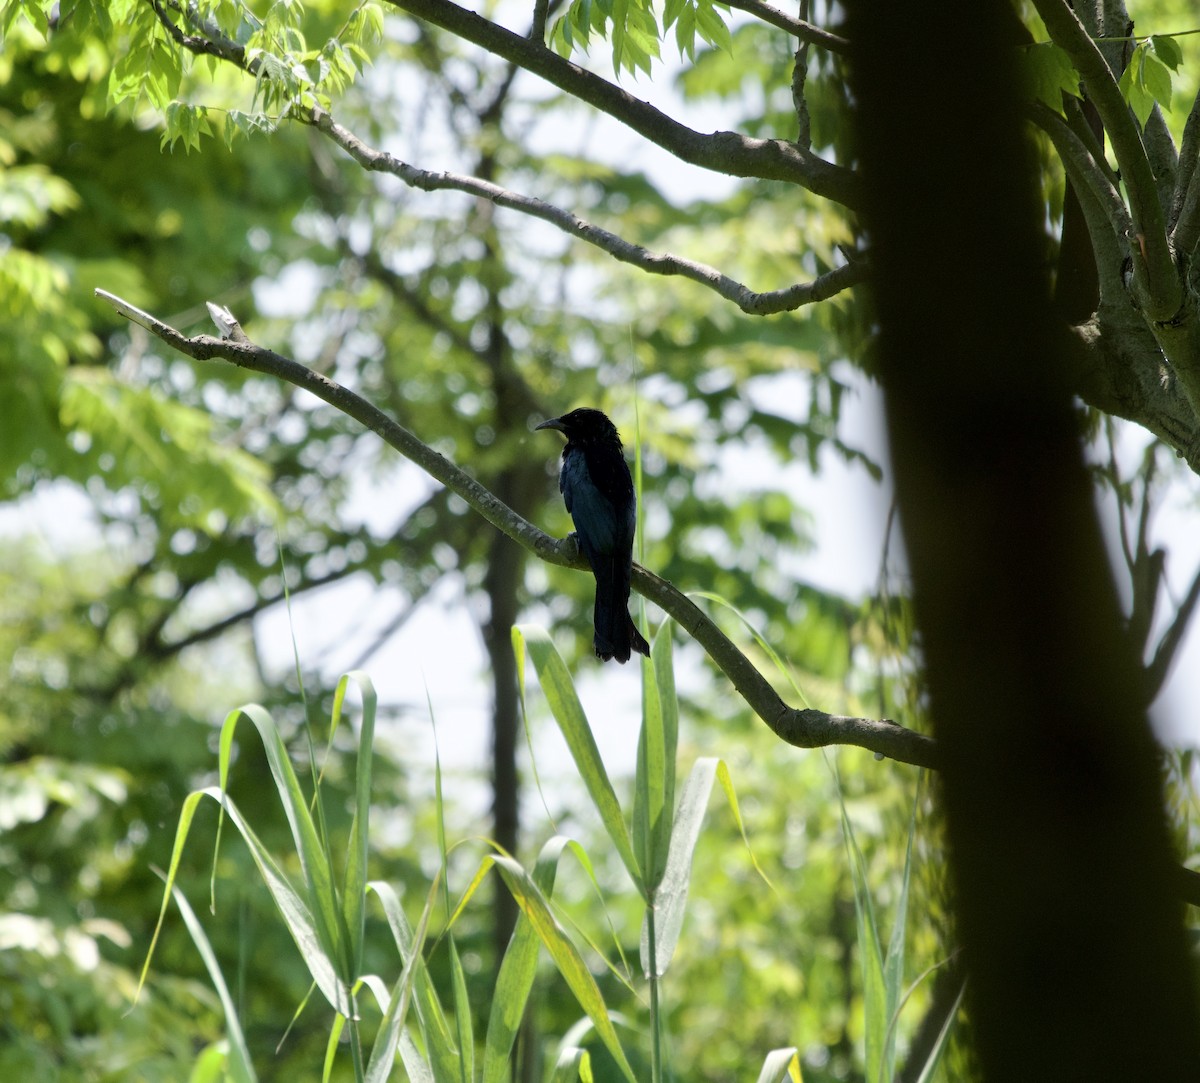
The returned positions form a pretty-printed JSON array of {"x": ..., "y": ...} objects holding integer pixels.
[{"x": 553, "y": 423}]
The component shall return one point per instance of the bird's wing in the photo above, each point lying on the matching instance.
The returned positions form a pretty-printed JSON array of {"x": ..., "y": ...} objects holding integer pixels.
[{"x": 591, "y": 510}]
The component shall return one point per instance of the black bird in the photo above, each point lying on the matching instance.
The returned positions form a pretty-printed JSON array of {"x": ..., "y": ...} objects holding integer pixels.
[{"x": 598, "y": 492}]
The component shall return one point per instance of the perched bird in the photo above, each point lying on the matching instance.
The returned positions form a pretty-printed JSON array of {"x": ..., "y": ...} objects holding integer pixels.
[{"x": 598, "y": 491}]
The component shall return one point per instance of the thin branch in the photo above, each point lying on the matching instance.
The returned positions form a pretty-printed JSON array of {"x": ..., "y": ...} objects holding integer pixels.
[
  {"x": 750, "y": 301},
  {"x": 723, "y": 152},
  {"x": 798, "y": 28},
  {"x": 756, "y": 304},
  {"x": 799, "y": 99},
  {"x": 802, "y": 728},
  {"x": 541, "y": 13},
  {"x": 1104, "y": 211},
  {"x": 1155, "y": 274},
  {"x": 1185, "y": 207},
  {"x": 1168, "y": 646}
]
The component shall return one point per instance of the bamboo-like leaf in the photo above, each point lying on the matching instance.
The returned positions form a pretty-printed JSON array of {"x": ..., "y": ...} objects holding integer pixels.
[
  {"x": 239, "y": 1068},
  {"x": 649, "y": 808},
  {"x": 663, "y": 661},
  {"x": 654, "y": 786},
  {"x": 893, "y": 963},
  {"x": 354, "y": 892},
  {"x": 462, "y": 1016},
  {"x": 565, "y": 955},
  {"x": 315, "y": 863},
  {"x": 388, "y": 1040},
  {"x": 876, "y": 1016},
  {"x": 292, "y": 908},
  {"x": 439, "y": 1043},
  {"x": 573, "y": 1064},
  {"x": 943, "y": 1039},
  {"x": 670, "y": 900},
  {"x": 560, "y": 694},
  {"x": 517, "y": 972},
  {"x": 780, "y": 1065}
]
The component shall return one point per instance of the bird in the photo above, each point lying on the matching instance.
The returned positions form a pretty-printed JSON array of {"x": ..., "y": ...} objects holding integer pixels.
[{"x": 598, "y": 491}]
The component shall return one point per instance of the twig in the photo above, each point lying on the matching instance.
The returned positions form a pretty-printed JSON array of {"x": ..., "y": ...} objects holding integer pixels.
[
  {"x": 798, "y": 28},
  {"x": 1185, "y": 206},
  {"x": 756, "y": 304},
  {"x": 802, "y": 728},
  {"x": 1104, "y": 211}
]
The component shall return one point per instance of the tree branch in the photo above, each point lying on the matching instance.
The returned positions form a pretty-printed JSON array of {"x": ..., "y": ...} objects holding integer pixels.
[
  {"x": 1090, "y": 180},
  {"x": 1155, "y": 274},
  {"x": 1164, "y": 655},
  {"x": 749, "y": 301},
  {"x": 723, "y": 152},
  {"x": 803, "y": 728},
  {"x": 798, "y": 28},
  {"x": 1185, "y": 207},
  {"x": 756, "y": 304}
]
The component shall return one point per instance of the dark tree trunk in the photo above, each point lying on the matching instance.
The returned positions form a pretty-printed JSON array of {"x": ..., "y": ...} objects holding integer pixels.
[
  {"x": 502, "y": 582},
  {"x": 1060, "y": 857}
]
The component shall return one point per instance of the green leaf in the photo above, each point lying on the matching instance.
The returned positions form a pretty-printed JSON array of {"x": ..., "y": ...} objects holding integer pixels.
[
  {"x": 566, "y": 957},
  {"x": 877, "y": 1010},
  {"x": 296, "y": 915},
  {"x": 1048, "y": 74},
  {"x": 354, "y": 889},
  {"x": 462, "y": 1014},
  {"x": 560, "y": 694},
  {"x": 315, "y": 863},
  {"x": 573, "y": 1064},
  {"x": 1134, "y": 90},
  {"x": 388, "y": 1040},
  {"x": 712, "y": 27},
  {"x": 781, "y": 1065},
  {"x": 1166, "y": 48},
  {"x": 517, "y": 972},
  {"x": 1156, "y": 77},
  {"x": 439, "y": 1044},
  {"x": 670, "y": 900},
  {"x": 929, "y": 1071},
  {"x": 237, "y": 1066},
  {"x": 654, "y": 785}
]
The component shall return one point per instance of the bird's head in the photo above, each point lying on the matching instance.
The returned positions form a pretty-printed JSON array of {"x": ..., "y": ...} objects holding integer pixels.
[{"x": 584, "y": 426}]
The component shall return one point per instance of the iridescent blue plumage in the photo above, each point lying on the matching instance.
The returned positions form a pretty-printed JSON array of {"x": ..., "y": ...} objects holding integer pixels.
[{"x": 598, "y": 492}]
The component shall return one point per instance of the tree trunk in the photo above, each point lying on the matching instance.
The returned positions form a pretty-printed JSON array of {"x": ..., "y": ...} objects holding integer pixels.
[{"x": 1060, "y": 857}]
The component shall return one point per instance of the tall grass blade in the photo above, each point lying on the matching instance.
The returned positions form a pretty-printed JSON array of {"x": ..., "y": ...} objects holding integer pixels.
[
  {"x": 654, "y": 782},
  {"x": 893, "y": 963},
  {"x": 462, "y": 1017},
  {"x": 238, "y": 1066},
  {"x": 670, "y": 900},
  {"x": 560, "y": 694},
  {"x": 387, "y": 1041},
  {"x": 573, "y": 1064},
  {"x": 943, "y": 1039},
  {"x": 315, "y": 860},
  {"x": 439, "y": 1043},
  {"x": 291, "y": 905},
  {"x": 517, "y": 972},
  {"x": 566, "y": 957},
  {"x": 780, "y": 1065},
  {"x": 354, "y": 890},
  {"x": 876, "y": 1013}
]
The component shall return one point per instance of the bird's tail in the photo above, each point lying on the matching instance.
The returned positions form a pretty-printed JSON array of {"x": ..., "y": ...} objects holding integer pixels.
[{"x": 616, "y": 634}]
